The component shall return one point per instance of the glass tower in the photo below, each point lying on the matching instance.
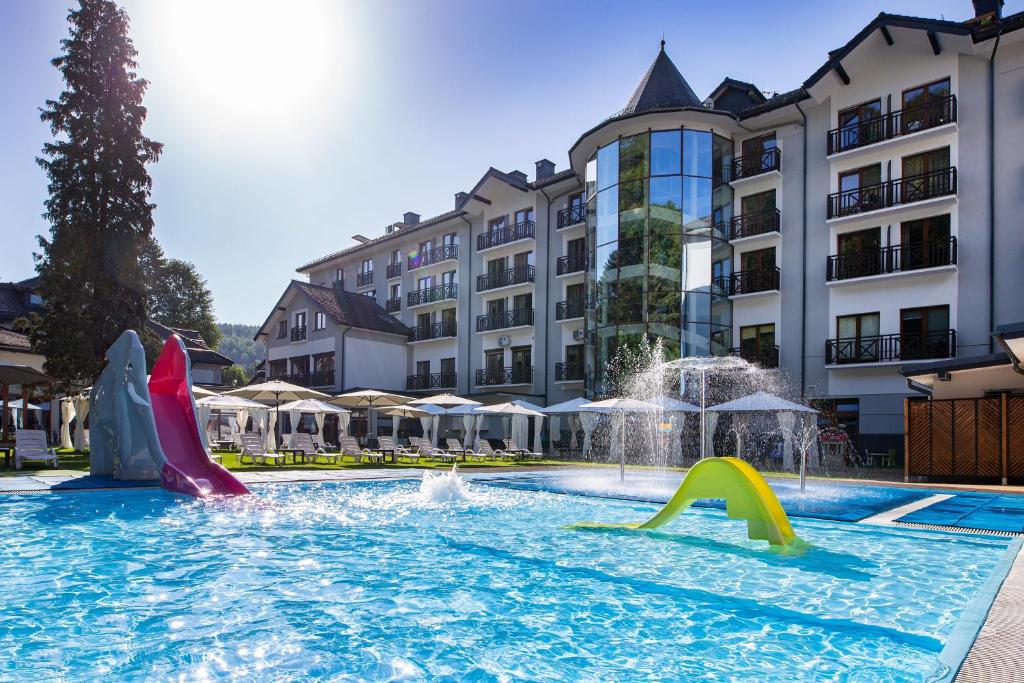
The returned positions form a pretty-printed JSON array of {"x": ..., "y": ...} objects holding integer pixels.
[{"x": 658, "y": 207}]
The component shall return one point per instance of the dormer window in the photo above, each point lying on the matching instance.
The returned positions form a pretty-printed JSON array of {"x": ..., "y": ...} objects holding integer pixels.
[
  {"x": 35, "y": 299},
  {"x": 282, "y": 329}
]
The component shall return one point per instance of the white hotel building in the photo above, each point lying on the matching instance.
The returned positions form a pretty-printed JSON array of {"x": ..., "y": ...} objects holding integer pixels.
[{"x": 867, "y": 220}]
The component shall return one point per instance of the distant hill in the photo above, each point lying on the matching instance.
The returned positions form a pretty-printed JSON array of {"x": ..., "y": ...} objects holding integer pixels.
[{"x": 237, "y": 344}]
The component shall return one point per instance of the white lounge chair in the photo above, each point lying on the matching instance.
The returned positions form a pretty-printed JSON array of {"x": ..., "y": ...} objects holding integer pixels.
[
  {"x": 30, "y": 446},
  {"x": 252, "y": 448},
  {"x": 350, "y": 448},
  {"x": 409, "y": 455},
  {"x": 525, "y": 453},
  {"x": 304, "y": 442}
]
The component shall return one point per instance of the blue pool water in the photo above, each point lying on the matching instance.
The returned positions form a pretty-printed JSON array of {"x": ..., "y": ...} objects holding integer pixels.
[
  {"x": 821, "y": 500},
  {"x": 974, "y": 510},
  {"x": 366, "y": 581}
]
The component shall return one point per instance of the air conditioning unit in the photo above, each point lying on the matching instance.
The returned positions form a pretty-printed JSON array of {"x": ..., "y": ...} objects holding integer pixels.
[
  {"x": 504, "y": 341},
  {"x": 578, "y": 335}
]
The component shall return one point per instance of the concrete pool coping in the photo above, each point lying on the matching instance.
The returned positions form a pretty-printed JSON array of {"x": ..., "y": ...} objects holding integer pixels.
[{"x": 980, "y": 648}]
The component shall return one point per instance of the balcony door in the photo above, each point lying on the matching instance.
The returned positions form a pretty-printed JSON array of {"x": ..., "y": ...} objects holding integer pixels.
[
  {"x": 495, "y": 269},
  {"x": 925, "y": 242},
  {"x": 447, "y": 372},
  {"x": 859, "y": 190},
  {"x": 522, "y": 362},
  {"x": 423, "y": 370},
  {"x": 858, "y": 338},
  {"x": 496, "y": 225},
  {"x": 859, "y": 253},
  {"x": 524, "y": 216},
  {"x": 924, "y": 332},
  {"x": 926, "y": 106},
  {"x": 424, "y": 323},
  {"x": 760, "y": 202},
  {"x": 425, "y": 283},
  {"x": 522, "y": 305},
  {"x": 923, "y": 175},
  {"x": 757, "y": 154},
  {"x": 494, "y": 366},
  {"x": 448, "y": 320},
  {"x": 860, "y": 125},
  {"x": 757, "y": 344},
  {"x": 758, "y": 270},
  {"x": 574, "y": 361}
]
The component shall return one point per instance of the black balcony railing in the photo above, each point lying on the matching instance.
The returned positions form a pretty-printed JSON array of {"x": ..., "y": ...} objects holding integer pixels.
[
  {"x": 567, "y": 310},
  {"x": 749, "y": 281},
  {"x": 891, "y": 347},
  {"x": 892, "y": 259},
  {"x": 756, "y": 164},
  {"x": 495, "y": 376},
  {"x": 750, "y": 224},
  {"x": 893, "y": 124},
  {"x": 915, "y": 188},
  {"x": 429, "y": 295},
  {"x": 394, "y": 270},
  {"x": 445, "y": 252},
  {"x": 505, "y": 235},
  {"x": 765, "y": 356},
  {"x": 363, "y": 279},
  {"x": 445, "y": 328},
  {"x": 393, "y": 305},
  {"x": 437, "y": 380},
  {"x": 572, "y": 216},
  {"x": 500, "y": 321},
  {"x": 573, "y": 263},
  {"x": 324, "y": 378},
  {"x": 299, "y": 333},
  {"x": 520, "y": 275},
  {"x": 568, "y": 372}
]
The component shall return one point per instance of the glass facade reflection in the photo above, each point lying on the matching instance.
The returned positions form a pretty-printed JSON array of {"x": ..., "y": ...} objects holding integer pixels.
[{"x": 657, "y": 210}]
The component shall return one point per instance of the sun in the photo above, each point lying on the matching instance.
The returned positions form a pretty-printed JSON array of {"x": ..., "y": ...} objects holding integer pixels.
[{"x": 255, "y": 60}]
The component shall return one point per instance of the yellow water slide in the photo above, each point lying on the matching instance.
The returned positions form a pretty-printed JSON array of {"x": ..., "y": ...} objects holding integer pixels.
[{"x": 746, "y": 494}]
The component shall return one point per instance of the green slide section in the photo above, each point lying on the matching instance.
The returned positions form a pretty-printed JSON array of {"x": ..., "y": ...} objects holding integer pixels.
[{"x": 747, "y": 496}]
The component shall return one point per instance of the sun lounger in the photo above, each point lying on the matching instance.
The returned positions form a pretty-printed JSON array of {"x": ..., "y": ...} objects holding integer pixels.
[
  {"x": 252, "y": 448},
  {"x": 30, "y": 446},
  {"x": 525, "y": 453},
  {"x": 350, "y": 447},
  {"x": 304, "y": 442},
  {"x": 429, "y": 452},
  {"x": 388, "y": 444}
]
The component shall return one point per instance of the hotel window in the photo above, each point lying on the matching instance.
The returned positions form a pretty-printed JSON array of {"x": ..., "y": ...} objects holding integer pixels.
[
  {"x": 448, "y": 241},
  {"x": 757, "y": 153},
  {"x": 496, "y": 224},
  {"x": 396, "y": 257},
  {"x": 396, "y": 291},
  {"x": 339, "y": 275},
  {"x": 282, "y": 329},
  {"x": 524, "y": 216},
  {"x": 423, "y": 368},
  {"x": 425, "y": 283},
  {"x": 448, "y": 279},
  {"x": 523, "y": 259},
  {"x": 319, "y": 321},
  {"x": 860, "y": 125},
  {"x": 522, "y": 302},
  {"x": 300, "y": 320},
  {"x": 426, "y": 246},
  {"x": 423, "y": 322},
  {"x": 758, "y": 203},
  {"x": 574, "y": 356},
  {"x": 366, "y": 266},
  {"x": 447, "y": 370},
  {"x": 859, "y": 253},
  {"x": 494, "y": 362},
  {"x": 496, "y": 307},
  {"x": 926, "y": 106},
  {"x": 858, "y": 337},
  {"x": 371, "y": 294},
  {"x": 757, "y": 342},
  {"x": 522, "y": 360},
  {"x": 924, "y": 332},
  {"x": 924, "y": 175},
  {"x": 925, "y": 243},
  {"x": 759, "y": 259},
  {"x": 859, "y": 189},
  {"x": 448, "y": 318}
]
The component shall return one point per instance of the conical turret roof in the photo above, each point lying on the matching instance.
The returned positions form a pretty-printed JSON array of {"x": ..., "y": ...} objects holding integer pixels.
[{"x": 662, "y": 87}]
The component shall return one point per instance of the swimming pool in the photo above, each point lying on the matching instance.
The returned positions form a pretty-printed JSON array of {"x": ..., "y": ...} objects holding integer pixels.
[{"x": 365, "y": 581}]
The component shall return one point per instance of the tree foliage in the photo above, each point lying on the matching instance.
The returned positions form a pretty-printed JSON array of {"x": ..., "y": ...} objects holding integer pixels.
[
  {"x": 179, "y": 297},
  {"x": 91, "y": 274},
  {"x": 234, "y": 376},
  {"x": 237, "y": 344}
]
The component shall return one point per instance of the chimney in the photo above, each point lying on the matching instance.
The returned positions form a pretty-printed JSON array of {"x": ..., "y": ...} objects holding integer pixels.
[
  {"x": 545, "y": 169},
  {"x": 460, "y": 199},
  {"x": 518, "y": 175},
  {"x": 410, "y": 218},
  {"x": 988, "y": 9}
]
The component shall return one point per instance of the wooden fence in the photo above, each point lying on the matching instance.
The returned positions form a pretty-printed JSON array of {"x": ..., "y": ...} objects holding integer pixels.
[{"x": 969, "y": 439}]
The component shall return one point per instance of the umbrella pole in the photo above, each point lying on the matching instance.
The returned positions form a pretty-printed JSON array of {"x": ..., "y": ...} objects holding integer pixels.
[
  {"x": 277, "y": 417},
  {"x": 703, "y": 426},
  {"x": 622, "y": 447}
]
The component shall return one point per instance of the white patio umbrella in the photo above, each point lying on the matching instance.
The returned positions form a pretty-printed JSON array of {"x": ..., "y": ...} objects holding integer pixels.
[
  {"x": 512, "y": 409},
  {"x": 763, "y": 402},
  {"x": 319, "y": 409},
  {"x": 621, "y": 406},
  {"x": 240, "y": 406},
  {"x": 369, "y": 398},
  {"x": 275, "y": 390},
  {"x": 445, "y": 402},
  {"x": 571, "y": 410}
]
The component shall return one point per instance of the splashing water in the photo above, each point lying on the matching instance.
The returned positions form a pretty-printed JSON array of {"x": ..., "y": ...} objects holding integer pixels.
[{"x": 447, "y": 487}]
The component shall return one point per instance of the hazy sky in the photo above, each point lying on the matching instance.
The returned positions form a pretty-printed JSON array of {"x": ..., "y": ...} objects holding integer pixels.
[{"x": 290, "y": 126}]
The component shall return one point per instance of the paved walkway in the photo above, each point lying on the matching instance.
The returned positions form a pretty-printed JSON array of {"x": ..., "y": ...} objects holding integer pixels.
[{"x": 996, "y": 655}]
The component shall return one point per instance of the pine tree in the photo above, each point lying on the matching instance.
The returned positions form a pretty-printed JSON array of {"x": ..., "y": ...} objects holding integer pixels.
[
  {"x": 99, "y": 189},
  {"x": 179, "y": 297}
]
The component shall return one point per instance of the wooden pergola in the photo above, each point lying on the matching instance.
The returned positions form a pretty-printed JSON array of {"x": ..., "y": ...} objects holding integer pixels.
[{"x": 27, "y": 378}]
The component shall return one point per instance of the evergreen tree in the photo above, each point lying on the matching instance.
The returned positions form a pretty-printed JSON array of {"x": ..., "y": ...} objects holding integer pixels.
[
  {"x": 179, "y": 297},
  {"x": 98, "y": 208}
]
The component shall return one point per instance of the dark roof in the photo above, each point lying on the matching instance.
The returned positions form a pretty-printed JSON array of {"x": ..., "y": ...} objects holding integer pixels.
[
  {"x": 196, "y": 347},
  {"x": 554, "y": 178},
  {"x": 14, "y": 300},
  {"x": 662, "y": 87},
  {"x": 1009, "y": 331},
  {"x": 351, "y": 309},
  {"x": 10, "y": 339},
  {"x": 954, "y": 364},
  {"x": 776, "y": 102}
]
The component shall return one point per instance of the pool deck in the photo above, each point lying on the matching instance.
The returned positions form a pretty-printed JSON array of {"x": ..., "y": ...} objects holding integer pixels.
[{"x": 993, "y": 657}]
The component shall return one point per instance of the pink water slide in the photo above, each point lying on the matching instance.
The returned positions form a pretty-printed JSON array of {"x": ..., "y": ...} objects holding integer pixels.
[{"x": 188, "y": 468}]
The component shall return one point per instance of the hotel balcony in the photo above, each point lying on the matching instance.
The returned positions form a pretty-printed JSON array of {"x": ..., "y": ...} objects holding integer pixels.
[
  {"x": 892, "y": 193},
  {"x": 506, "y": 278},
  {"x": 574, "y": 215},
  {"x": 765, "y": 356},
  {"x": 490, "y": 322},
  {"x": 573, "y": 263},
  {"x": 364, "y": 279},
  {"x": 895, "y": 124},
  {"x": 437, "y": 380},
  {"x": 897, "y": 258},
  {"x": 299, "y": 333},
  {"x": 393, "y": 270},
  {"x": 753, "y": 224},
  {"x": 441, "y": 330},
  {"x": 309, "y": 379},
  {"x": 446, "y": 252},
  {"x": 393, "y": 305},
  {"x": 891, "y": 348},
  {"x": 568, "y": 310},
  {"x": 421, "y": 297},
  {"x": 505, "y": 235},
  {"x": 750, "y": 281},
  {"x": 569, "y": 372},
  {"x": 758, "y": 164},
  {"x": 498, "y": 376}
]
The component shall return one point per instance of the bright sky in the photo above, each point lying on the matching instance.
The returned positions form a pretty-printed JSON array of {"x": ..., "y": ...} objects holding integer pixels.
[{"x": 290, "y": 126}]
